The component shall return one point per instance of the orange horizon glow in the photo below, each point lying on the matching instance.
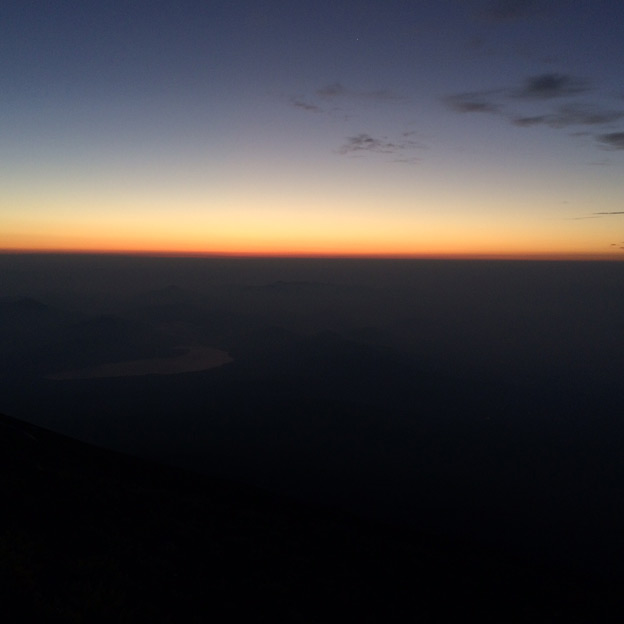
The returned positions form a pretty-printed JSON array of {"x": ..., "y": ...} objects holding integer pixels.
[
  {"x": 177, "y": 253},
  {"x": 384, "y": 222},
  {"x": 311, "y": 235}
]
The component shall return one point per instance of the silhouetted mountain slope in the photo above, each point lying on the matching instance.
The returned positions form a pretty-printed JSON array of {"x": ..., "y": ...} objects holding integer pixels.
[
  {"x": 360, "y": 426},
  {"x": 91, "y": 535},
  {"x": 479, "y": 402}
]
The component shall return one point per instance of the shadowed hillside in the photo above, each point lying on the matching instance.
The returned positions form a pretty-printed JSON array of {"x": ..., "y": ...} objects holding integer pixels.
[
  {"x": 474, "y": 409},
  {"x": 93, "y": 536}
]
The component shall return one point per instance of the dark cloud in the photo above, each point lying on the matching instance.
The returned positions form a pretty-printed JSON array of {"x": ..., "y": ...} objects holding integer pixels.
[
  {"x": 333, "y": 90},
  {"x": 544, "y": 88},
  {"x": 475, "y": 102},
  {"x": 547, "y": 86},
  {"x": 540, "y": 87},
  {"x": 571, "y": 115},
  {"x": 333, "y": 97},
  {"x": 364, "y": 142},
  {"x": 597, "y": 215},
  {"x": 585, "y": 115},
  {"x": 614, "y": 140},
  {"x": 581, "y": 218},
  {"x": 338, "y": 90},
  {"x": 507, "y": 10},
  {"x": 313, "y": 108},
  {"x": 408, "y": 160},
  {"x": 534, "y": 120},
  {"x": 408, "y": 139}
]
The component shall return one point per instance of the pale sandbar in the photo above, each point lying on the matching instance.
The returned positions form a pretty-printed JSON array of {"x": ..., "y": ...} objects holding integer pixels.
[{"x": 193, "y": 360}]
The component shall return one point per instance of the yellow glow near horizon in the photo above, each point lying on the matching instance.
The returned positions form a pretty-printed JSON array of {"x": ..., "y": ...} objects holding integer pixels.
[
  {"x": 312, "y": 234},
  {"x": 418, "y": 225}
]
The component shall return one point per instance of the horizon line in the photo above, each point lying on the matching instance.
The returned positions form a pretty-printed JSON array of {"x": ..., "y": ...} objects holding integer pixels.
[{"x": 561, "y": 257}]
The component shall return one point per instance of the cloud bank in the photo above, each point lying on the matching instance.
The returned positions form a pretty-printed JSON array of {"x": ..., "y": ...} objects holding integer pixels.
[
  {"x": 541, "y": 90},
  {"x": 614, "y": 140},
  {"x": 548, "y": 86}
]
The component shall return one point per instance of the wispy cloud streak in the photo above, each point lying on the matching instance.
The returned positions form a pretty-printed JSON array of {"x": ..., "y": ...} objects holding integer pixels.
[
  {"x": 338, "y": 90},
  {"x": 614, "y": 140},
  {"x": 548, "y": 86},
  {"x": 540, "y": 90},
  {"x": 571, "y": 116},
  {"x": 362, "y": 143},
  {"x": 473, "y": 102},
  {"x": 303, "y": 105}
]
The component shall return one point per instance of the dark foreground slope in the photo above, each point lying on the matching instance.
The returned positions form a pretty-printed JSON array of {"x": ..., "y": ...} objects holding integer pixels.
[{"x": 89, "y": 535}]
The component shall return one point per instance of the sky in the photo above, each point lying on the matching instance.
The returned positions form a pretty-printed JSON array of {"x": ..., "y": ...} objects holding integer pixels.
[{"x": 435, "y": 128}]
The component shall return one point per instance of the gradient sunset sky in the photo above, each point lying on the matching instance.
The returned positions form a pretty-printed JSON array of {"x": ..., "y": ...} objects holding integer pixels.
[{"x": 433, "y": 128}]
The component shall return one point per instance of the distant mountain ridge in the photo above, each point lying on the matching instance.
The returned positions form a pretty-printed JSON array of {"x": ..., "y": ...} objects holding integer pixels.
[{"x": 38, "y": 338}]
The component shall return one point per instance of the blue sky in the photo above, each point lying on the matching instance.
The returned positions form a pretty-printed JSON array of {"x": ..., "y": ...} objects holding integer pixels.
[{"x": 418, "y": 128}]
